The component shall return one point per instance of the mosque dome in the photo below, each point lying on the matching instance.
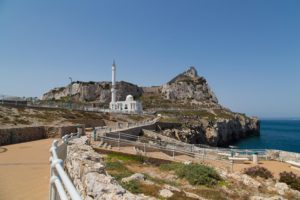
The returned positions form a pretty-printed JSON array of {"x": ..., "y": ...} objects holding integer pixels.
[{"x": 129, "y": 98}]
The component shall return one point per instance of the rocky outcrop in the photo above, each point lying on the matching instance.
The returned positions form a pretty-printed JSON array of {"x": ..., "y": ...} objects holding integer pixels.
[
  {"x": 222, "y": 132},
  {"x": 189, "y": 86},
  {"x": 186, "y": 86},
  {"x": 93, "y": 92},
  {"x": 87, "y": 170}
]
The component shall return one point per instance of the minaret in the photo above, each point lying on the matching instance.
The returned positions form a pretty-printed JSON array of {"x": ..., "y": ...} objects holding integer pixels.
[{"x": 113, "y": 83}]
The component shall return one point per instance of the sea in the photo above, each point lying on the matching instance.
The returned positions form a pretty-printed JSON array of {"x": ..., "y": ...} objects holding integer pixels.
[{"x": 275, "y": 134}]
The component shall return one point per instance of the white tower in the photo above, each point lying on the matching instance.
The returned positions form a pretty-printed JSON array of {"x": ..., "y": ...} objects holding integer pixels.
[{"x": 113, "y": 86}]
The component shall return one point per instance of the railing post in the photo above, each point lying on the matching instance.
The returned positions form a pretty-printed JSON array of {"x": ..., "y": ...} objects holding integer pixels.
[
  {"x": 119, "y": 141},
  {"x": 95, "y": 134},
  {"x": 203, "y": 154}
]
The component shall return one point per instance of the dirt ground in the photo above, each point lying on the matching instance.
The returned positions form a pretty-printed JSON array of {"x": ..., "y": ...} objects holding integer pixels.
[{"x": 24, "y": 170}]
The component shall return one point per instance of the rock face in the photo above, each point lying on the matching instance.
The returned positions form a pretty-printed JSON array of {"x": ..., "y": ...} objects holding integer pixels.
[
  {"x": 185, "y": 86},
  {"x": 189, "y": 86},
  {"x": 221, "y": 132},
  {"x": 93, "y": 92}
]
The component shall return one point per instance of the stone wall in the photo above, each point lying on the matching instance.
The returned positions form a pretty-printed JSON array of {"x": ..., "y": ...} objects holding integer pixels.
[
  {"x": 18, "y": 135},
  {"x": 26, "y": 134},
  {"x": 86, "y": 168}
]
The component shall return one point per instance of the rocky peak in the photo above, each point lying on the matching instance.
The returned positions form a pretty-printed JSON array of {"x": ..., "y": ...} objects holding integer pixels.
[
  {"x": 189, "y": 86},
  {"x": 191, "y": 72}
]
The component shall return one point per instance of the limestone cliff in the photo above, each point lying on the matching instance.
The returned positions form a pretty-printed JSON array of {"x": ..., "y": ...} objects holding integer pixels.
[
  {"x": 189, "y": 86},
  {"x": 218, "y": 131},
  {"x": 93, "y": 92}
]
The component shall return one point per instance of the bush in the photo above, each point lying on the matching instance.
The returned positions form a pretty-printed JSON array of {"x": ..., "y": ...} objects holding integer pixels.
[
  {"x": 197, "y": 174},
  {"x": 291, "y": 179},
  {"x": 258, "y": 171},
  {"x": 132, "y": 186}
]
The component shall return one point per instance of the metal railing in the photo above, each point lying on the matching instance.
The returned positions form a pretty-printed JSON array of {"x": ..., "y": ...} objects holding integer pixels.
[
  {"x": 171, "y": 149},
  {"x": 61, "y": 187},
  {"x": 191, "y": 147}
]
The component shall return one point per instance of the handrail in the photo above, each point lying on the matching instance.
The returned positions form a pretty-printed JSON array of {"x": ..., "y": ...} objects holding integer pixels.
[
  {"x": 179, "y": 144},
  {"x": 60, "y": 183},
  {"x": 174, "y": 149}
]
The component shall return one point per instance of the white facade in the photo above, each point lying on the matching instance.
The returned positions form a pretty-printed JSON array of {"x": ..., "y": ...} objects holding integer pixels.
[{"x": 129, "y": 105}]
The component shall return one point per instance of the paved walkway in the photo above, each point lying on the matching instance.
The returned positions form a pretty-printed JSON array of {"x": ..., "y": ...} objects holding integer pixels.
[{"x": 24, "y": 170}]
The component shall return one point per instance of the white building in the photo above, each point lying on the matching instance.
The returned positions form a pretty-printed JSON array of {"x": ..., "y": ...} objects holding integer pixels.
[{"x": 129, "y": 105}]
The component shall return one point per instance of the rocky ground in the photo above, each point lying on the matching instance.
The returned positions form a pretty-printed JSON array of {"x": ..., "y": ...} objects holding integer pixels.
[{"x": 12, "y": 117}]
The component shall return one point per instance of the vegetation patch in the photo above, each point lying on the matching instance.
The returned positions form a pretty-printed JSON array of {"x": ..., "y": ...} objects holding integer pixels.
[
  {"x": 195, "y": 174},
  {"x": 124, "y": 158},
  {"x": 290, "y": 179},
  {"x": 132, "y": 186},
  {"x": 117, "y": 170},
  {"x": 258, "y": 171}
]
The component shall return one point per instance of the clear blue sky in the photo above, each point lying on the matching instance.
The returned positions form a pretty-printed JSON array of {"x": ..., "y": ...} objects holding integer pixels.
[{"x": 249, "y": 51}]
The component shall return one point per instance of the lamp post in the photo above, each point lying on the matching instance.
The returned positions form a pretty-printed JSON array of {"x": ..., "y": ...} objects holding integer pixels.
[{"x": 70, "y": 92}]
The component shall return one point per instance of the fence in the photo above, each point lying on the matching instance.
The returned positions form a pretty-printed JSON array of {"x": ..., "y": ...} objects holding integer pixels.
[
  {"x": 200, "y": 152},
  {"x": 146, "y": 145},
  {"x": 61, "y": 186}
]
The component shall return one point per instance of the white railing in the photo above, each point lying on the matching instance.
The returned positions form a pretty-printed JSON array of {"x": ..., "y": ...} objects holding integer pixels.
[{"x": 61, "y": 187}]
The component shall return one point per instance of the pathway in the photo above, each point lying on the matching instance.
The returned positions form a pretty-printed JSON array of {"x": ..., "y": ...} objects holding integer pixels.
[{"x": 24, "y": 170}]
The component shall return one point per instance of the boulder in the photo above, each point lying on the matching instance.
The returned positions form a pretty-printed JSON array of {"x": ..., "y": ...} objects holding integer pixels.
[
  {"x": 282, "y": 188},
  {"x": 134, "y": 177},
  {"x": 165, "y": 193}
]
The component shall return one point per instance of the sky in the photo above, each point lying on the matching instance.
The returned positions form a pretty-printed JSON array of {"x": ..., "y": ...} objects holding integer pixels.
[{"x": 248, "y": 50}]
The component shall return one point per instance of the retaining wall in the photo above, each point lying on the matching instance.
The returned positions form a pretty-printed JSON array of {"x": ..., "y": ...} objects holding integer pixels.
[{"x": 26, "y": 134}]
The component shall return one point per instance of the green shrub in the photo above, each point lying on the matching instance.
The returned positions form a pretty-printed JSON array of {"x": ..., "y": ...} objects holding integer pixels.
[
  {"x": 132, "y": 186},
  {"x": 291, "y": 179},
  {"x": 117, "y": 170},
  {"x": 197, "y": 174},
  {"x": 258, "y": 171}
]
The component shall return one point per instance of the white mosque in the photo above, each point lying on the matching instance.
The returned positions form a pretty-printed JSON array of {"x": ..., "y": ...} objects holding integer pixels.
[{"x": 129, "y": 105}]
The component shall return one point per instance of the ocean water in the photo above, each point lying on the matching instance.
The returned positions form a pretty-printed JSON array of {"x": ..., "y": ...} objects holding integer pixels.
[{"x": 275, "y": 134}]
